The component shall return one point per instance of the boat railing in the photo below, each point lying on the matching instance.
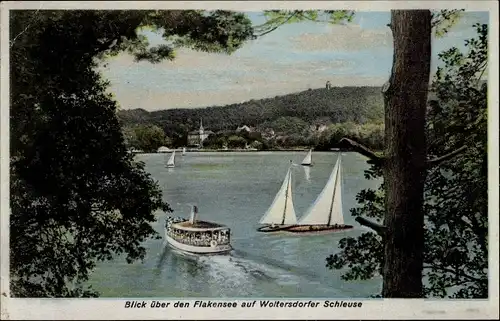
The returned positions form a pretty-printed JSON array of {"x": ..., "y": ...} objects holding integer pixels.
[
  {"x": 199, "y": 239},
  {"x": 173, "y": 220}
]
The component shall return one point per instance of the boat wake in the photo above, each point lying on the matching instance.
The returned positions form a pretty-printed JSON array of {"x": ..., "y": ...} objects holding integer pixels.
[
  {"x": 239, "y": 267},
  {"x": 242, "y": 274},
  {"x": 273, "y": 264}
]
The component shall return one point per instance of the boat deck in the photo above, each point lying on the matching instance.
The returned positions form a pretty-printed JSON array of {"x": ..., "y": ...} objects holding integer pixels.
[{"x": 199, "y": 224}]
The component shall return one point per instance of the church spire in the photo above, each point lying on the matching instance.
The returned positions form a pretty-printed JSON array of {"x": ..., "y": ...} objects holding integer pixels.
[{"x": 201, "y": 125}]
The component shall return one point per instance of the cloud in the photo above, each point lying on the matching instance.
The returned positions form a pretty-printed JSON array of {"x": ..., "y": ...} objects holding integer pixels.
[
  {"x": 262, "y": 69},
  {"x": 343, "y": 38},
  {"x": 190, "y": 59},
  {"x": 197, "y": 79}
]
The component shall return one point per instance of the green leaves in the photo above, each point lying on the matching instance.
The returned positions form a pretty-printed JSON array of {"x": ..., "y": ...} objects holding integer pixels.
[
  {"x": 147, "y": 138},
  {"x": 77, "y": 196},
  {"x": 444, "y": 20},
  {"x": 361, "y": 256},
  {"x": 215, "y": 31},
  {"x": 277, "y": 18},
  {"x": 456, "y": 206}
]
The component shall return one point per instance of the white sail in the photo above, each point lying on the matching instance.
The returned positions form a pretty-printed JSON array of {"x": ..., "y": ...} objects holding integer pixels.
[
  {"x": 337, "y": 216},
  {"x": 183, "y": 151},
  {"x": 327, "y": 209},
  {"x": 282, "y": 210},
  {"x": 308, "y": 159},
  {"x": 171, "y": 160}
]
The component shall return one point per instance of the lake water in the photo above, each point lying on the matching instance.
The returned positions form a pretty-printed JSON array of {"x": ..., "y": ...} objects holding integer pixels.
[{"x": 236, "y": 189}]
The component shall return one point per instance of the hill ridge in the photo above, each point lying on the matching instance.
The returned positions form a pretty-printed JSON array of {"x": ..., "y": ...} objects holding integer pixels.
[{"x": 357, "y": 104}]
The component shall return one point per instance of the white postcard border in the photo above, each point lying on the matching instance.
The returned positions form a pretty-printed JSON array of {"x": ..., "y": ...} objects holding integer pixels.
[{"x": 105, "y": 308}]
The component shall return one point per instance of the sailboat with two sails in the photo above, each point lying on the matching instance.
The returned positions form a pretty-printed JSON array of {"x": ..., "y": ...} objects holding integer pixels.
[{"x": 324, "y": 215}]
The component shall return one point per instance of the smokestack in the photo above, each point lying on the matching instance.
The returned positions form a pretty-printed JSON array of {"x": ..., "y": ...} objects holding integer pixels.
[{"x": 194, "y": 213}]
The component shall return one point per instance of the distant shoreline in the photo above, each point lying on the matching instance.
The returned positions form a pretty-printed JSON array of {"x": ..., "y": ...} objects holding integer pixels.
[{"x": 244, "y": 151}]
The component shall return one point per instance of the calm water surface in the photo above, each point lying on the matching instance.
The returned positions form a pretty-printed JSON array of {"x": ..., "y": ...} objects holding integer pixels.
[{"x": 236, "y": 189}]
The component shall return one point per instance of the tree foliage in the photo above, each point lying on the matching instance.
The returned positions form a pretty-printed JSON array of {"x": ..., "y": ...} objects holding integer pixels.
[
  {"x": 77, "y": 196},
  {"x": 442, "y": 20},
  {"x": 456, "y": 216},
  {"x": 277, "y": 18},
  {"x": 236, "y": 142},
  {"x": 337, "y": 105},
  {"x": 147, "y": 138},
  {"x": 287, "y": 125}
]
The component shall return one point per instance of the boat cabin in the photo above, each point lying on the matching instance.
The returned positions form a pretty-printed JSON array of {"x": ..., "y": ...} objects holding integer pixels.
[{"x": 199, "y": 233}]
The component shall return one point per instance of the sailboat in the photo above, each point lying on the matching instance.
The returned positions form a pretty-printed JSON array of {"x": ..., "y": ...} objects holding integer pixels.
[
  {"x": 325, "y": 214},
  {"x": 308, "y": 159},
  {"x": 183, "y": 151},
  {"x": 281, "y": 213},
  {"x": 171, "y": 160}
]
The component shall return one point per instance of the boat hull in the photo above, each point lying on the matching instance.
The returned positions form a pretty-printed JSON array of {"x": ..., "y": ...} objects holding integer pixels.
[
  {"x": 219, "y": 249},
  {"x": 314, "y": 229},
  {"x": 277, "y": 228},
  {"x": 308, "y": 165}
]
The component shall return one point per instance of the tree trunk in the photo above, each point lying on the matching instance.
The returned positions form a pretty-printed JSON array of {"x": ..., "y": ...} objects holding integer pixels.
[{"x": 405, "y": 155}]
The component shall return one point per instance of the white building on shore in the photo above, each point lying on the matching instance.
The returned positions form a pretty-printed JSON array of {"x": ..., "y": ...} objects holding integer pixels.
[{"x": 196, "y": 137}]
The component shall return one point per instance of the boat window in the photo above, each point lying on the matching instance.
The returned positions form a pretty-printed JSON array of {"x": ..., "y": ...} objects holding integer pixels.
[{"x": 196, "y": 238}]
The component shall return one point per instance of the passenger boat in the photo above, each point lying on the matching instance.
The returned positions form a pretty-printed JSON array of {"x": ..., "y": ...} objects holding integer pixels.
[{"x": 194, "y": 236}]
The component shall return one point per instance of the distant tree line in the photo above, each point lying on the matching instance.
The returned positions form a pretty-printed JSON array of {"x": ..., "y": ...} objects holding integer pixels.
[
  {"x": 339, "y": 104},
  {"x": 149, "y": 138},
  {"x": 294, "y": 119}
]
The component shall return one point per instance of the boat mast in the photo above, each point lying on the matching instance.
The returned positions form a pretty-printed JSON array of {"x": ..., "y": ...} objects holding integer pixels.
[
  {"x": 333, "y": 196},
  {"x": 286, "y": 194}
]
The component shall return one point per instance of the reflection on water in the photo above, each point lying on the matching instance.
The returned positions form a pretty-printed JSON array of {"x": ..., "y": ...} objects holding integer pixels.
[
  {"x": 307, "y": 172},
  {"x": 236, "y": 189}
]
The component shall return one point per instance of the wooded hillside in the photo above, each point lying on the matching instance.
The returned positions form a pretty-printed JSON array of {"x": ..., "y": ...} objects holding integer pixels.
[{"x": 335, "y": 105}]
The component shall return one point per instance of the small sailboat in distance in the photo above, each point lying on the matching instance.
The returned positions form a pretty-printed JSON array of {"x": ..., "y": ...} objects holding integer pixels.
[
  {"x": 326, "y": 212},
  {"x": 281, "y": 213},
  {"x": 171, "y": 160},
  {"x": 183, "y": 151},
  {"x": 308, "y": 159}
]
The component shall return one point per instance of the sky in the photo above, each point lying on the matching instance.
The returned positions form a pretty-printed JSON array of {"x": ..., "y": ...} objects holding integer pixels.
[{"x": 293, "y": 58}]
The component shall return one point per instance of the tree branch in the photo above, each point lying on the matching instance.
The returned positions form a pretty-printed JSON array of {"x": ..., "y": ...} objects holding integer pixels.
[
  {"x": 279, "y": 25},
  {"x": 106, "y": 45},
  {"x": 438, "y": 160},
  {"x": 481, "y": 75},
  {"x": 363, "y": 150},
  {"x": 379, "y": 228},
  {"x": 460, "y": 273}
]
